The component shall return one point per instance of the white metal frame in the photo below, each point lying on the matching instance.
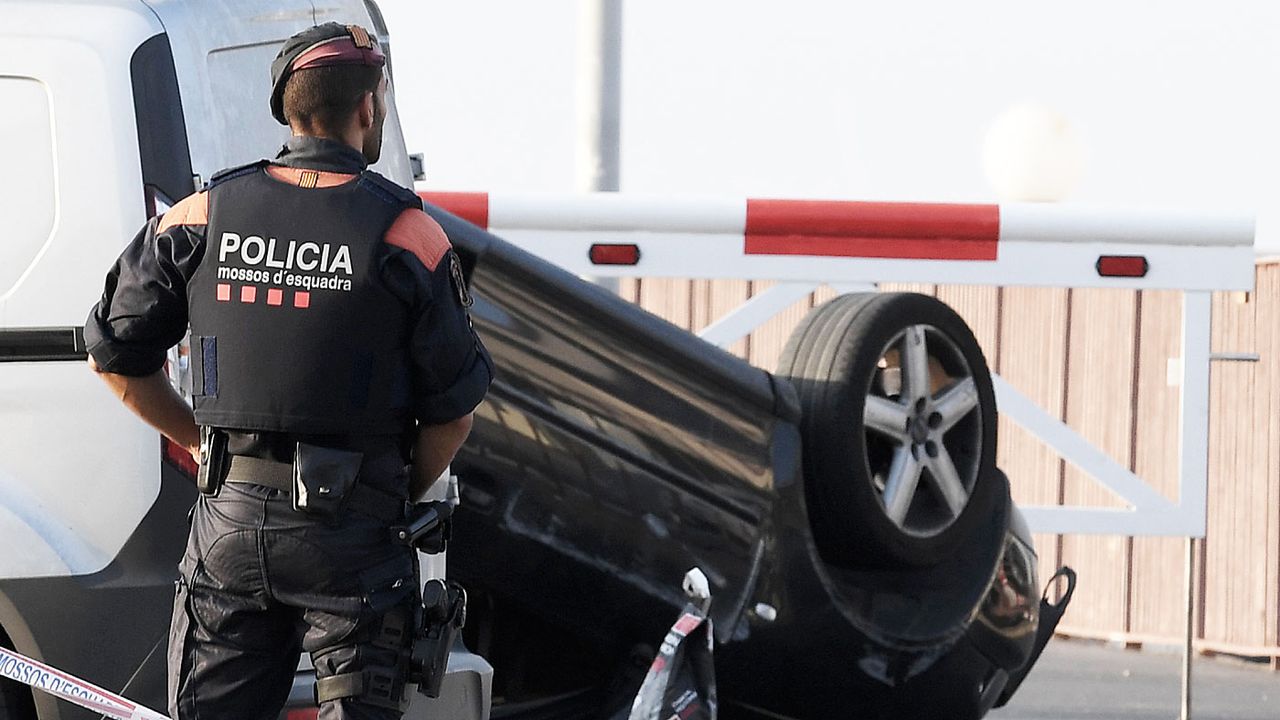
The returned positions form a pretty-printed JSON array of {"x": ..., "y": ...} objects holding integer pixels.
[
  {"x": 1038, "y": 245},
  {"x": 1149, "y": 513}
]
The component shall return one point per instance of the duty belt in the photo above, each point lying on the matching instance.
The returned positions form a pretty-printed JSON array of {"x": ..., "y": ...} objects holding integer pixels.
[{"x": 279, "y": 476}]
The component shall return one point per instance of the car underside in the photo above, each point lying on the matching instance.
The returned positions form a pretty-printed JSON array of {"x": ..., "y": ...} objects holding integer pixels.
[{"x": 864, "y": 556}]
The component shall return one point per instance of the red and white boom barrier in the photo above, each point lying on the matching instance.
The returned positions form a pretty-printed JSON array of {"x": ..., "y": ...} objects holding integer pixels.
[
  {"x": 851, "y": 246},
  {"x": 610, "y": 234}
]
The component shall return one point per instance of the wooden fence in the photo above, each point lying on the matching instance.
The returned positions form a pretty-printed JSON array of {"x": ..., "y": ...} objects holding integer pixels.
[{"x": 1106, "y": 363}]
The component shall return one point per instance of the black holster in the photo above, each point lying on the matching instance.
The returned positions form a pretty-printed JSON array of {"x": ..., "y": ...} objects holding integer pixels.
[{"x": 440, "y": 618}]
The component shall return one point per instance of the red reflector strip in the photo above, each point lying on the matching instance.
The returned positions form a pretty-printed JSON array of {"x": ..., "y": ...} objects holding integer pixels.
[
  {"x": 608, "y": 254},
  {"x": 302, "y": 714},
  {"x": 1134, "y": 266},
  {"x": 686, "y": 624},
  {"x": 472, "y": 207},
  {"x": 907, "y": 231},
  {"x": 178, "y": 455}
]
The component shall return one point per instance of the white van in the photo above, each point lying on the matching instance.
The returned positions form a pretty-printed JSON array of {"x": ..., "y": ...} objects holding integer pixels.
[{"x": 111, "y": 111}]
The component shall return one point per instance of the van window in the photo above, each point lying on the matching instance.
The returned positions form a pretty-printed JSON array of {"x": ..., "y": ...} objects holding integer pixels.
[
  {"x": 28, "y": 201},
  {"x": 240, "y": 79}
]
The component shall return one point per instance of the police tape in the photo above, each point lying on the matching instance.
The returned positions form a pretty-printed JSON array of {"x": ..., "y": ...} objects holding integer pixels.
[{"x": 23, "y": 669}]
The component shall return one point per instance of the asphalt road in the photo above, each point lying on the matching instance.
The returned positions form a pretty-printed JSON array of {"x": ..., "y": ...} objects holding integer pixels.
[{"x": 1079, "y": 681}]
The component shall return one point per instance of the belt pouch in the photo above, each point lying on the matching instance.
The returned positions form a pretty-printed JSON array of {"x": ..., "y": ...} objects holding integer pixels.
[
  {"x": 213, "y": 461},
  {"x": 322, "y": 478}
]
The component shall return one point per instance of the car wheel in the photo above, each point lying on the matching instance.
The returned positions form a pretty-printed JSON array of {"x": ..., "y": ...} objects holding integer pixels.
[
  {"x": 899, "y": 428},
  {"x": 15, "y": 701}
]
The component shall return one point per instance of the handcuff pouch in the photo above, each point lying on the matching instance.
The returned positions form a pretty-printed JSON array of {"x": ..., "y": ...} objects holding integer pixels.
[{"x": 322, "y": 478}]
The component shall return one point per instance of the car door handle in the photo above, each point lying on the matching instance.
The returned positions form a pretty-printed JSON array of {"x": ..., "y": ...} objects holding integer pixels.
[{"x": 47, "y": 344}]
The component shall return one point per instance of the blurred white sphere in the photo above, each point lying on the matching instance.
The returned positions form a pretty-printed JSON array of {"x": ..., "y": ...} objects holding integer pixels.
[{"x": 1031, "y": 154}]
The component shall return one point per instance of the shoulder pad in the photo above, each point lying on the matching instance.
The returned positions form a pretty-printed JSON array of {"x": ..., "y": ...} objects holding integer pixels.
[
  {"x": 234, "y": 172},
  {"x": 388, "y": 191}
]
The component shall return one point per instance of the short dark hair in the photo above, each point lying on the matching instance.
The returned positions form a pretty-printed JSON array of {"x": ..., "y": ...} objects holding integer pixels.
[{"x": 322, "y": 98}]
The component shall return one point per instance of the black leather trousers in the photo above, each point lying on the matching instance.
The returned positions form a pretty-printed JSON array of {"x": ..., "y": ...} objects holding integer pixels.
[{"x": 260, "y": 583}]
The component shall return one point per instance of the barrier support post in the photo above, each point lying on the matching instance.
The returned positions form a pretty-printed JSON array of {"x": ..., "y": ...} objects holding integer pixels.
[
  {"x": 1188, "y": 639},
  {"x": 1193, "y": 486}
]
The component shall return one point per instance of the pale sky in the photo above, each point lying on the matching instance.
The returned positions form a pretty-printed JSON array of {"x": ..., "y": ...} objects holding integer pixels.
[{"x": 1170, "y": 104}]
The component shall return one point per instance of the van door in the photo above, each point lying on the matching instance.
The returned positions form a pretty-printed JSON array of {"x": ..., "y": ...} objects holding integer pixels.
[{"x": 77, "y": 473}]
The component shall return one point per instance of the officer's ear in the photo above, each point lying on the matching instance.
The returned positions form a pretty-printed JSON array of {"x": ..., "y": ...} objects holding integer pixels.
[{"x": 366, "y": 111}]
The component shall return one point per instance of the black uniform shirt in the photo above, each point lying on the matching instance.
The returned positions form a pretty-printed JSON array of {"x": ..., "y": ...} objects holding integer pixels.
[{"x": 143, "y": 310}]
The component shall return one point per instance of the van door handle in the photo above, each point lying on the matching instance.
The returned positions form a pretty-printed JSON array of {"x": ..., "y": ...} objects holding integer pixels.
[{"x": 47, "y": 344}]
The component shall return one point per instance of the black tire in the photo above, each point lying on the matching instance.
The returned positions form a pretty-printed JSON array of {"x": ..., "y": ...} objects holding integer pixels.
[{"x": 862, "y": 472}]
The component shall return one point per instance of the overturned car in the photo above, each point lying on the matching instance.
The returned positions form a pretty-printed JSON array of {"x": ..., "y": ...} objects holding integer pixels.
[{"x": 864, "y": 555}]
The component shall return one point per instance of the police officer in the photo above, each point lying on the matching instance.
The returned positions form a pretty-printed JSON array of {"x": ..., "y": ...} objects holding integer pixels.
[{"x": 334, "y": 373}]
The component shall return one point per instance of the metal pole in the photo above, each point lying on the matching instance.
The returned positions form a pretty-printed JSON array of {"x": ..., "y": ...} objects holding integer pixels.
[
  {"x": 1187, "y": 650},
  {"x": 1193, "y": 486},
  {"x": 599, "y": 94},
  {"x": 599, "y": 101}
]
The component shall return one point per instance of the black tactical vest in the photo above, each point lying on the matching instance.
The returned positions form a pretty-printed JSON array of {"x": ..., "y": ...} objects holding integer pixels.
[{"x": 292, "y": 329}]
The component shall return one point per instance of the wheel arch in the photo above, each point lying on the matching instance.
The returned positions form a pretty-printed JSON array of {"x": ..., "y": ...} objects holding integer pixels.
[{"x": 15, "y": 635}]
